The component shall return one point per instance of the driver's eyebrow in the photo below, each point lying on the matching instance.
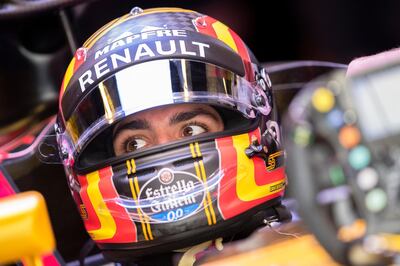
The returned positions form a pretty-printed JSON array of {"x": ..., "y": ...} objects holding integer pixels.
[
  {"x": 185, "y": 116},
  {"x": 136, "y": 124}
]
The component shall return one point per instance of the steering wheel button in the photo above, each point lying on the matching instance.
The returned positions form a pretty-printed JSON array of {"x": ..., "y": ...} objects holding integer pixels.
[
  {"x": 335, "y": 118},
  {"x": 323, "y": 100},
  {"x": 349, "y": 136},
  {"x": 336, "y": 175},
  {"x": 376, "y": 200},
  {"x": 359, "y": 157},
  {"x": 302, "y": 136},
  {"x": 367, "y": 178}
]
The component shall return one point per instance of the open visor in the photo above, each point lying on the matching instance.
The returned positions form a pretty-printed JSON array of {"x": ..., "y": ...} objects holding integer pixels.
[{"x": 157, "y": 83}]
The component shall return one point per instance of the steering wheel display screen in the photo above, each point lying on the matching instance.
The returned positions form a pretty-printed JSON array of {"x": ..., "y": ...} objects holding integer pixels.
[{"x": 377, "y": 100}]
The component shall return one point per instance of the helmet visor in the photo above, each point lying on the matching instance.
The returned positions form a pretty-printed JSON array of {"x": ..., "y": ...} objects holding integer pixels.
[{"x": 158, "y": 83}]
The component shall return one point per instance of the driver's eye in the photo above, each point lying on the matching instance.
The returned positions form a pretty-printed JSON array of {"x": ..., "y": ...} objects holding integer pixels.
[
  {"x": 133, "y": 144},
  {"x": 192, "y": 130}
]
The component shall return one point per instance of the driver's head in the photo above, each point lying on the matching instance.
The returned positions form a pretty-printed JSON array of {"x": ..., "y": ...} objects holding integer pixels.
[{"x": 162, "y": 112}]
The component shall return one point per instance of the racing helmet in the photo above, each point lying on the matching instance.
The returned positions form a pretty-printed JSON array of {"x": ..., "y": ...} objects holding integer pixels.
[{"x": 188, "y": 191}]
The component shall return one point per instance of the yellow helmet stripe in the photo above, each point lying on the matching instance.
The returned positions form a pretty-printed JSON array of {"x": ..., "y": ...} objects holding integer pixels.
[
  {"x": 246, "y": 186},
  {"x": 107, "y": 224},
  {"x": 224, "y": 35}
]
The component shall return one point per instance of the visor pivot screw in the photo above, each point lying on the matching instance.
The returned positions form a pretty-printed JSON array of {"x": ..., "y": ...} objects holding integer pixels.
[
  {"x": 200, "y": 22},
  {"x": 136, "y": 11},
  {"x": 64, "y": 154},
  {"x": 260, "y": 101}
]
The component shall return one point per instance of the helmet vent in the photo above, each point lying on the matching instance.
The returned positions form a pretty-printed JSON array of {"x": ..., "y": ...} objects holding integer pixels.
[
  {"x": 187, "y": 161},
  {"x": 145, "y": 172}
]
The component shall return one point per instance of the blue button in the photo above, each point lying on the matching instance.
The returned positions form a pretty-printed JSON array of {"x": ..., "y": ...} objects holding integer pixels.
[
  {"x": 359, "y": 157},
  {"x": 335, "y": 118}
]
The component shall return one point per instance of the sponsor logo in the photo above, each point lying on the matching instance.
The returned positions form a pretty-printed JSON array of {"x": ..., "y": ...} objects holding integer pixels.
[
  {"x": 128, "y": 37},
  {"x": 272, "y": 160},
  {"x": 153, "y": 44},
  {"x": 83, "y": 211},
  {"x": 171, "y": 196},
  {"x": 166, "y": 177},
  {"x": 277, "y": 187}
]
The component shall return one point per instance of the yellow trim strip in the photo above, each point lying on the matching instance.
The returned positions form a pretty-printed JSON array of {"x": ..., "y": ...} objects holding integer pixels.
[
  {"x": 192, "y": 150},
  {"x": 198, "y": 149},
  {"x": 138, "y": 209},
  {"x": 107, "y": 224},
  {"x": 145, "y": 218},
  {"x": 196, "y": 165},
  {"x": 203, "y": 173},
  {"x": 68, "y": 74},
  {"x": 128, "y": 165},
  {"x": 148, "y": 227},
  {"x": 246, "y": 186},
  {"x": 133, "y": 166}
]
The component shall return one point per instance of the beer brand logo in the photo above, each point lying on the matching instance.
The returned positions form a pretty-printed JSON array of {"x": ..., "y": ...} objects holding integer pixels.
[
  {"x": 166, "y": 177},
  {"x": 171, "y": 196}
]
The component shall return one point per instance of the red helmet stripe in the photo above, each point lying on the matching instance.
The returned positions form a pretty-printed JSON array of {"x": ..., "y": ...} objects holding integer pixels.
[
  {"x": 218, "y": 30},
  {"x": 244, "y": 54},
  {"x": 207, "y": 29},
  {"x": 125, "y": 228}
]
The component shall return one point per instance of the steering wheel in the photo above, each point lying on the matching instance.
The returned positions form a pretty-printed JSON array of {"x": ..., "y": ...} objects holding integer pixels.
[{"x": 342, "y": 141}]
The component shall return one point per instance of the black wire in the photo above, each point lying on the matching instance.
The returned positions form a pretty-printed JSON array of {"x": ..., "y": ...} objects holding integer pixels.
[{"x": 69, "y": 31}]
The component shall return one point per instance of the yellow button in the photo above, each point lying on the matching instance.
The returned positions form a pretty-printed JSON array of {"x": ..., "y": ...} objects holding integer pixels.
[{"x": 323, "y": 100}]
